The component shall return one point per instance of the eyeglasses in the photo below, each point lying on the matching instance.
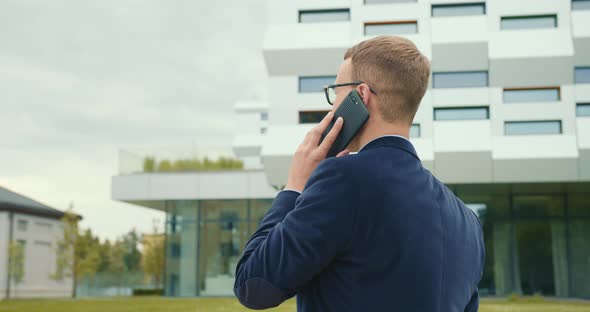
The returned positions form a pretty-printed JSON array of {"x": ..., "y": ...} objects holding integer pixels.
[{"x": 331, "y": 93}]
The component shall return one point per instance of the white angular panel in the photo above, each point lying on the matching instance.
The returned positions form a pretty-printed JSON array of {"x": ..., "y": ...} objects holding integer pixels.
[
  {"x": 279, "y": 146},
  {"x": 584, "y": 165},
  {"x": 535, "y": 158},
  {"x": 523, "y": 58},
  {"x": 464, "y": 167},
  {"x": 462, "y": 136},
  {"x": 247, "y": 145},
  {"x": 424, "y": 148},
  {"x": 223, "y": 185},
  {"x": 259, "y": 187},
  {"x": 305, "y": 49},
  {"x": 450, "y": 97},
  {"x": 173, "y": 186},
  {"x": 581, "y": 32},
  {"x": 130, "y": 187}
]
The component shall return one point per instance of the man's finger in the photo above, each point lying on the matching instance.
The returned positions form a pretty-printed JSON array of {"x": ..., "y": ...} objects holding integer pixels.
[
  {"x": 332, "y": 135},
  {"x": 316, "y": 133}
]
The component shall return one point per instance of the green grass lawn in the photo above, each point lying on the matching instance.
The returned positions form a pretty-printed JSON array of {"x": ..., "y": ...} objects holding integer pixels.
[{"x": 156, "y": 304}]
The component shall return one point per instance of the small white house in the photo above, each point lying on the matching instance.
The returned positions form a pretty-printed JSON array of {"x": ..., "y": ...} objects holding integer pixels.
[{"x": 38, "y": 228}]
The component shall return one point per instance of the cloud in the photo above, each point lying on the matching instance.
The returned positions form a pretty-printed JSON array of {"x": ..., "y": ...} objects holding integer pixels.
[{"x": 81, "y": 79}]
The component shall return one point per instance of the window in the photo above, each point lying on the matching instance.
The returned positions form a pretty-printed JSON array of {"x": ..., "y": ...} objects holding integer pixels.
[
  {"x": 174, "y": 250},
  {"x": 22, "y": 225},
  {"x": 531, "y": 95},
  {"x": 320, "y": 16},
  {"x": 43, "y": 226},
  {"x": 263, "y": 130},
  {"x": 387, "y": 1},
  {"x": 314, "y": 84},
  {"x": 391, "y": 28},
  {"x": 528, "y": 22},
  {"x": 460, "y": 79},
  {"x": 582, "y": 75},
  {"x": 415, "y": 131},
  {"x": 311, "y": 116},
  {"x": 580, "y": 4},
  {"x": 461, "y": 113},
  {"x": 532, "y": 127},
  {"x": 583, "y": 110},
  {"x": 264, "y": 116},
  {"x": 439, "y": 10}
]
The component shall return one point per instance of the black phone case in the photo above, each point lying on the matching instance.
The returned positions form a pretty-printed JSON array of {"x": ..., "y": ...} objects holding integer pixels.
[{"x": 355, "y": 114}]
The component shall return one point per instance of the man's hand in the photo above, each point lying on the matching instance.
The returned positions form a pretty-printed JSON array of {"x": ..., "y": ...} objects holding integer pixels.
[{"x": 309, "y": 154}]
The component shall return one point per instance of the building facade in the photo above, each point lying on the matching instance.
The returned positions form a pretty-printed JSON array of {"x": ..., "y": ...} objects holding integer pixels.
[
  {"x": 36, "y": 229},
  {"x": 505, "y": 123}
]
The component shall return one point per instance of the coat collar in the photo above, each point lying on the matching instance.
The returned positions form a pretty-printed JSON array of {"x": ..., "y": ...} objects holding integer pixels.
[{"x": 390, "y": 141}]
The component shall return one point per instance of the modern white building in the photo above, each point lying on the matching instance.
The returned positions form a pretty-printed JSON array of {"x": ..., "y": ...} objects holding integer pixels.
[
  {"x": 37, "y": 228},
  {"x": 505, "y": 123}
]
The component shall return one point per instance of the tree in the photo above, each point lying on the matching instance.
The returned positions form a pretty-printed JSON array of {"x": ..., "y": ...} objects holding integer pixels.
[
  {"x": 16, "y": 262},
  {"x": 104, "y": 252},
  {"x": 132, "y": 255},
  {"x": 77, "y": 255},
  {"x": 149, "y": 164},
  {"x": 152, "y": 261},
  {"x": 117, "y": 260}
]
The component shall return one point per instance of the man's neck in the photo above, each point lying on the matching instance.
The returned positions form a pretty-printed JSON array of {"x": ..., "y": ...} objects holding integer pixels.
[{"x": 373, "y": 131}]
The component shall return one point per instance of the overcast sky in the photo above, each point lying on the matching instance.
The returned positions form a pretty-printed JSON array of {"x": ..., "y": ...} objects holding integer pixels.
[{"x": 81, "y": 79}]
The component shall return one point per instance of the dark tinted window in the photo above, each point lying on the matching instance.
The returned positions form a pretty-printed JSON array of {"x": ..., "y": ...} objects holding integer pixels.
[
  {"x": 531, "y": 95},
  {"x": 528, "y": 22},
  {"x": 582, "y": 74},
  {"x": 460, "y": 79},
  {"x": 415, "y": 131},
  {"x": 532, "y": 127},
  {"x": 439, "y": 10},
  {"x": 461, "y": 113},
  {"x": 311, "y": 116},
  {"x": 319, "y": 16},
  {"x": 315, "y": 83},
  {"x": 583, "y": 110}
]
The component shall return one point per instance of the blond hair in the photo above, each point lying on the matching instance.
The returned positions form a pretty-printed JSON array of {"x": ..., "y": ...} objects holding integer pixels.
[{"x": 395, "y": 68}]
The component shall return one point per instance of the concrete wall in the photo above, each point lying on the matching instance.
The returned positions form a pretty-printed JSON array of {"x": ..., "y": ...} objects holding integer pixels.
[{"x": 41, "y": 236}]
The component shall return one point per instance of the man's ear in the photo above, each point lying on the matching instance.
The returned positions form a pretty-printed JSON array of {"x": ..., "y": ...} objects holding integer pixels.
[{"x": 365, "y": 93}]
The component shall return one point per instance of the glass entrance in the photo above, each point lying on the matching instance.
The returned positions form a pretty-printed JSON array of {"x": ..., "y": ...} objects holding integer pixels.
[
  {"x": 541, "y": 250},
  {"x": 535, "y": 261}
]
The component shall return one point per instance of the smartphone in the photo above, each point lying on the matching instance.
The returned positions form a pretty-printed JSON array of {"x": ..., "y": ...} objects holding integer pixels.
[{"x": 355, "y": 114}]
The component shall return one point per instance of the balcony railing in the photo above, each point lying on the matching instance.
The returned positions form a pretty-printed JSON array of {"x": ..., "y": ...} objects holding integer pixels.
[{"x": 178, "y": 159}]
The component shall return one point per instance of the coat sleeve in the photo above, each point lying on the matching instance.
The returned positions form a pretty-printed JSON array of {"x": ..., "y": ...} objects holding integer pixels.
[
  {"x": 473, "y": 304},
  {"x": 298, "y": 237}
]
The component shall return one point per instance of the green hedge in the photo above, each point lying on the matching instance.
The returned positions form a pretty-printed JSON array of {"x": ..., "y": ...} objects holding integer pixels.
[
  {"x": 150, "y": 164},
  {"x": 148, "y": 292}
]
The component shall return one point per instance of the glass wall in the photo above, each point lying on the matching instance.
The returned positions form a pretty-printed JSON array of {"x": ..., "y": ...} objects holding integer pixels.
[
  {"x": 205, "y": 239},
  {"x": 181, "y": 248},
  {"x": 534, "y": 236},
  {"x": 536, "y": 239}
]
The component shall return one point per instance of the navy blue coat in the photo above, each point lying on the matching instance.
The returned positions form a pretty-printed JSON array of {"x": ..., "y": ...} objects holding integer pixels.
[{"x": 372, "y": 231}]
